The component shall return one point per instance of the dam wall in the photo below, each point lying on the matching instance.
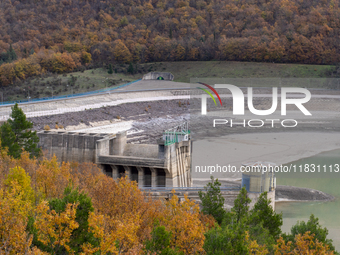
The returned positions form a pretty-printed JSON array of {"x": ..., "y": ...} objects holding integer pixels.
[{"x": 150, "y": 165}]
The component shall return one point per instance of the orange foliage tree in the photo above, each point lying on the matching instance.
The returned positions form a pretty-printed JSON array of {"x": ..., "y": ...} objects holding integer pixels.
[
  {"x": 124, "y": 214},
  {"x": 182, "y": 219},
  {"x": 305, "y": 244},
  {"x": 55, "y": 229}
]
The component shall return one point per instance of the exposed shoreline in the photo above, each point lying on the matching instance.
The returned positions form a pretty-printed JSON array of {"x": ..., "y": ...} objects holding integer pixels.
[
  {"x": 279, "y": 148},
  {"x": 296, "y": 194}
]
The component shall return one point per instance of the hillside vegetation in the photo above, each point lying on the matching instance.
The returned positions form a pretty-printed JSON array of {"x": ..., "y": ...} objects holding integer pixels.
[{"x": 60, "y": 36}]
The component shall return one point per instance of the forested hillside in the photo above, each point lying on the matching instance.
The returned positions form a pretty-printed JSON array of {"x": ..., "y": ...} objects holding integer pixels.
[{"x": 38, "y": 36}]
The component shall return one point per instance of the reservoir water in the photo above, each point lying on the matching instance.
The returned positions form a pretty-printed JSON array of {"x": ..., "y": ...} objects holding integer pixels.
[{"x": 328, "y": 182}]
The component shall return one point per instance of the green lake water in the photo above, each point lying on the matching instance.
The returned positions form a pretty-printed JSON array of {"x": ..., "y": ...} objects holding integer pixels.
[{"x": 327, "y": 212}]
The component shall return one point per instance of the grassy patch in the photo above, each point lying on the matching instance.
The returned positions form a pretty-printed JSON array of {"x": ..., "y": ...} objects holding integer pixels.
[
  {"x": 183, "y": 71},
  {"x": 95, "y": 79}
]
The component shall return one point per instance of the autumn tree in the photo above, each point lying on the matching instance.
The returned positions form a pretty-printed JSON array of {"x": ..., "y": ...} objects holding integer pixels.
[
  {"x": 52, "y": 178},
  {"x": 54, "y": 230},
  {"x": 16, "y": 205},
  {"x": 86, "y": 57},
  {"x": 121, "y": 52},
  {"x": 314, "y": 228},
  {"x": 303, "y": 244},
  {"x": 124, "y": 214},
  {"x": 188, "y": 234},
  {"x": 13, "y": 220},
  {"x": 18, "y": 180},
  {"x": 16, "y": 134},
  {"x": 81, "y": 234}
]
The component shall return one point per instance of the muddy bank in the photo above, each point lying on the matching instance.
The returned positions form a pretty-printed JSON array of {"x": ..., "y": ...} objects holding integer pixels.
[
  {"x": 290, "y": 193},
  {"x": 140, "y": 111}
]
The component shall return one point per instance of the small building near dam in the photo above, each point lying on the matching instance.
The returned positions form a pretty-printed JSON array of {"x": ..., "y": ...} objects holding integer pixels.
[
  {"x": 159, "y": 76},
  {"x": 166, "y": 164},
  {"x": 259, "y": 177}
]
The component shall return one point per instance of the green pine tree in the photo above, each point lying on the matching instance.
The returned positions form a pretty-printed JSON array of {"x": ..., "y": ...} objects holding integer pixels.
[
  {"x": 15, "y": 134},
  {"x": 241, "y": 205},
  {"x": 110, "y": 69},
  {"x": 130, "y": 69},
  {"x": 81, "y": 235},
  {"x": 11, "y": 54},
  {"x": 226, "y": 240},
  {"x": 212, "y": 200},
  {"x": 160, "y": 243},
  {"x": 263, "y": 212}
]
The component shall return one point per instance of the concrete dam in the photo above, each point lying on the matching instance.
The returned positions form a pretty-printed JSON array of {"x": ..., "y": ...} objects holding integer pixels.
[
  {"x": 166, "y": 164},
  {"x": 157, "y": 168}
]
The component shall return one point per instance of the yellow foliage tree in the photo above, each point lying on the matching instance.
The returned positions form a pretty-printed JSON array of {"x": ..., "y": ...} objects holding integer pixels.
[
  {"x": 13, "y": 221},
  {"x": 19, "y": 181},
  {"x": 254, "y": 248},
  {"x": 86, "y": 57},
  {"x": 6, "y": 163},
  {"x": 121, "y": 52},
  {"x": 15, "y": 206},
  {"x": 55, "y": 229},
  {"x": 182, "y": 219},
  {"x": 51, "y": 178},
  {"x": 125, "y": 215},
  {"x": 180, "y": 52},
  {"x": 305, "y": 244}
]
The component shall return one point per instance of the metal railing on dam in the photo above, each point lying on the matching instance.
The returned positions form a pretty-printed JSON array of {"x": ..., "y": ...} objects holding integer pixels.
[{"x": 187, "y": 189}]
